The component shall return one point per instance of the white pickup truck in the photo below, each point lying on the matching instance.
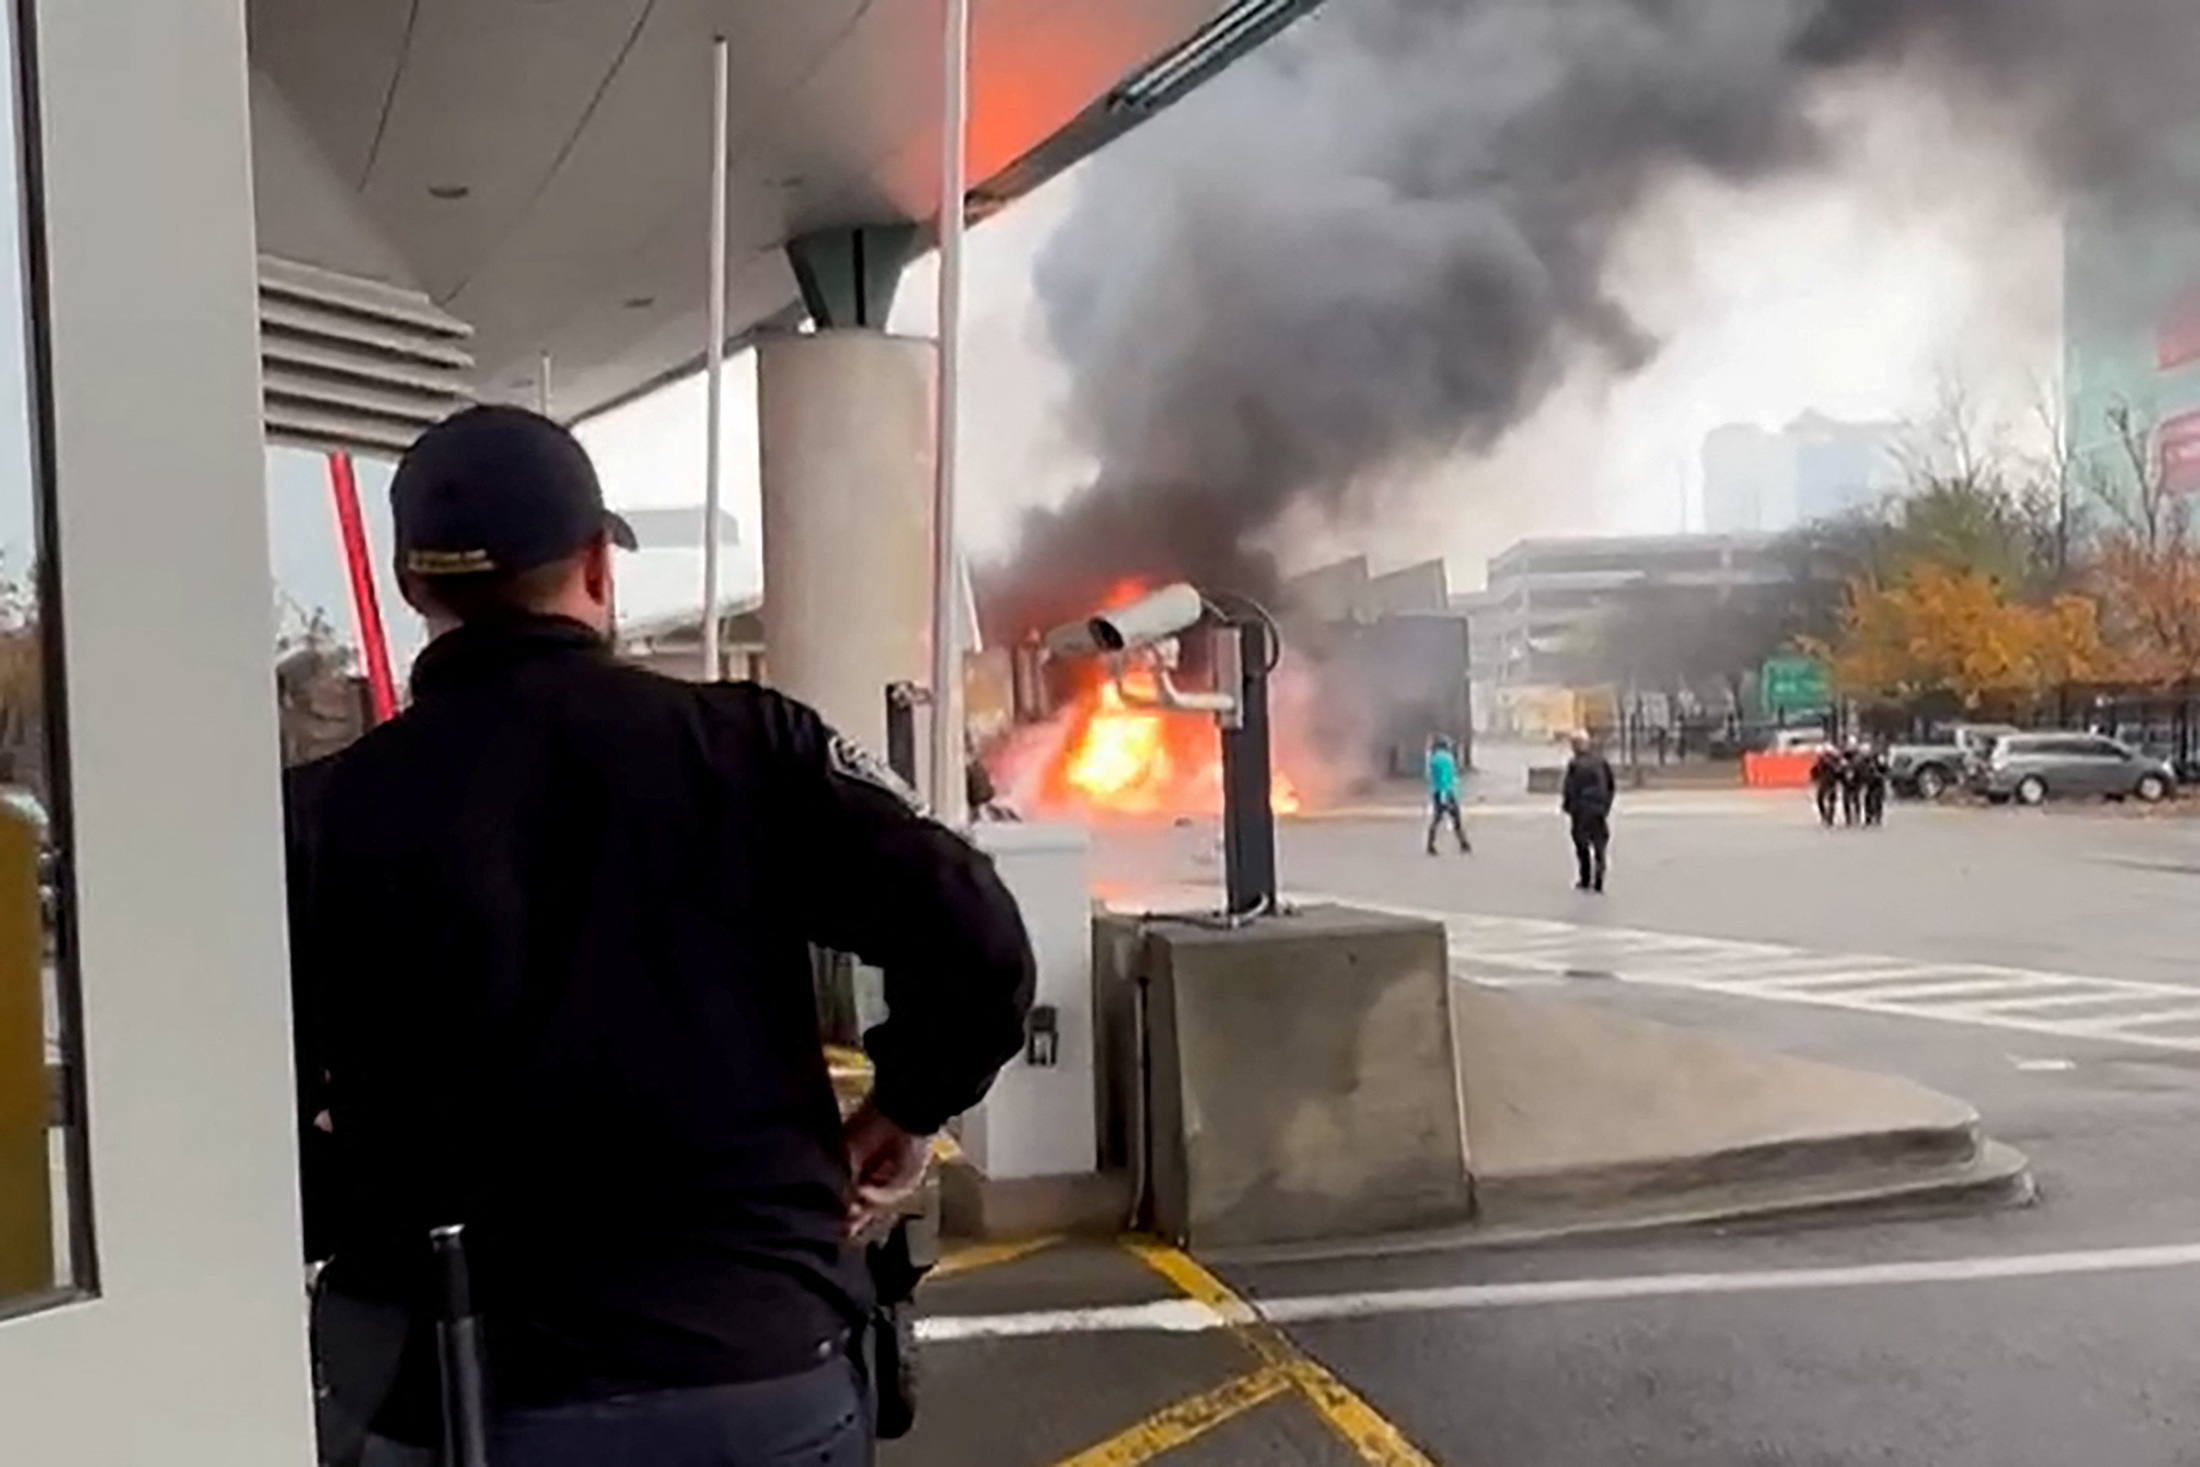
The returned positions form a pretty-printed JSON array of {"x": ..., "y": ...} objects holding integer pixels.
[{"x": 1929, "y": 770}]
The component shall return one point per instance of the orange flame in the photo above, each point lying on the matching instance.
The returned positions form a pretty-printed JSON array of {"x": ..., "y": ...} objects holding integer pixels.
[
  {"x": 1149, "y": 761},
  {"x": 1117, "y": 757}
]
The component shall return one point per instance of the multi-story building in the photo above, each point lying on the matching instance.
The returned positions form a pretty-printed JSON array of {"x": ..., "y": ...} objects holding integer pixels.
[
  {"x": 1756, "y": 480},
  {"x": 1547, "y": 598}
]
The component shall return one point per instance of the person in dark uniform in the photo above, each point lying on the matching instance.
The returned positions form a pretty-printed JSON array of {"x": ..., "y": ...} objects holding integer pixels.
[
  {"x": 551, "y": 943},
  {"x": 1876, "y": 777},
  {"x": 1854, "y": 774},
  {"x": 1586, "y": 797},
  {"x": 1826, "y": 776}
]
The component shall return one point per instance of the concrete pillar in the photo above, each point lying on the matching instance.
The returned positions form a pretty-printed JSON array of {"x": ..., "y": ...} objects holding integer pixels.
[{"x": 845, "y": 420}]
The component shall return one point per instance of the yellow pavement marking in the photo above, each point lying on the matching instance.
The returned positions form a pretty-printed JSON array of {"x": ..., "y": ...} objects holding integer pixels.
[
  {"x": 1173, "y": 1426},
  {"x": 974, "y": 1256},
  {"x": 1364, "y": 1429}
]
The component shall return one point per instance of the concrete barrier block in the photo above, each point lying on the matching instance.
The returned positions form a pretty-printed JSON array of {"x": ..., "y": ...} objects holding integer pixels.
[{"x": 1301, "y": 1082}]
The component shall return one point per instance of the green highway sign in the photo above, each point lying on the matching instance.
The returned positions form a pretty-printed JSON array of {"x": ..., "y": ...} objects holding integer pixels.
[{"x": 1794, "y": 685}]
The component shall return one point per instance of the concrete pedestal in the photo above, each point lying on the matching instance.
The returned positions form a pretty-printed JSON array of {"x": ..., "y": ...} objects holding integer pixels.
[
  {"x": 1300, "y": 1080},
  {"x": 846, "y": 428},
  {"x": 1038, "y": 1119}
]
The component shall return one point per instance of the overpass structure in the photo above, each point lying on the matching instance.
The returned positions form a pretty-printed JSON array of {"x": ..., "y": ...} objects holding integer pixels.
[{"x": 328, "y": 224}]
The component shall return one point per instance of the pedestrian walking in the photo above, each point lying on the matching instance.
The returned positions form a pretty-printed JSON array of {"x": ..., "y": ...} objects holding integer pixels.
[
  {"x": 1586, "y": 797},
  {"x": 1443, "y": 794},
  {"x": 1853, "y": 775},
  {"x": 552, "y": 934},
  {"x": 1877, "y": 776},
  {"x": 1825, "y": 783}
]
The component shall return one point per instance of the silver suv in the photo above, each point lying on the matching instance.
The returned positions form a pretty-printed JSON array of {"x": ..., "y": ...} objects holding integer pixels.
[{"x": 2032, "y": 768}]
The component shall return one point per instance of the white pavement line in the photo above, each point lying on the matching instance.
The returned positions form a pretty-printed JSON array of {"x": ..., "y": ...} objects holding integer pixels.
[
  {"x": 1163, "y": 1316},
  {"x": 1178, "y": 1316},
  {"x": 2102, "y": 993},
  {"x": 2123, "y": 1024},
  {"x": 1834, "y": 969},
  {"x": 1749, "y": 972},
  {"x": 1927, "y": 992},
  {"x": 1584, "y": 1291},
  {"x": 1860, "y": 978},
  {"x": 1987, "y": 994}
]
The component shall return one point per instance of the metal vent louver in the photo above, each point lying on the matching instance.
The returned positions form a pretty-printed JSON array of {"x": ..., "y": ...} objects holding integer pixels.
[{"x": 355, "y": 364}]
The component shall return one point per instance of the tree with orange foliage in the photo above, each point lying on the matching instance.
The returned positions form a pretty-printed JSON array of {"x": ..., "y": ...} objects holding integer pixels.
[
  {"x": 1943, "y": 629},
  {"x": 2146, "y": 567}
]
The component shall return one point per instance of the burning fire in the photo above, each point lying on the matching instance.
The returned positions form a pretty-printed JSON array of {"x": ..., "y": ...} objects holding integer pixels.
[
  {"x": 1104, "y": 753},
  {"x": 1147, "y": 761}
]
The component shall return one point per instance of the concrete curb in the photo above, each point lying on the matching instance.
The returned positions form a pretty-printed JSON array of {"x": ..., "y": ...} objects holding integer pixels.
[
  {"x": 1867, "y": 1163},
  {"x": 1997, "y": 1176}
]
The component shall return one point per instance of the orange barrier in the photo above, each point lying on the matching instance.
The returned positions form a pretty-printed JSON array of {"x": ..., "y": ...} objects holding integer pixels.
[{"x": 1786, "y": 771}]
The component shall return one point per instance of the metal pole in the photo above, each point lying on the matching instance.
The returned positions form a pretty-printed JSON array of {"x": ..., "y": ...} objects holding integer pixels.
[
  {"x": 1248, "y": 811},
  {"x": 542, "y": 384},
  {"x": 947, "y": 742},
  {"x": 714, "y": 410},
  {"x": 366, "y": 604}
]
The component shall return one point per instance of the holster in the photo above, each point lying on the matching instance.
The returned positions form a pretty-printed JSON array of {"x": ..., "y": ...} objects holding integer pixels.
[
  {"x": 357, "y": 1346},
  {"x": 888, "y": 1341}
]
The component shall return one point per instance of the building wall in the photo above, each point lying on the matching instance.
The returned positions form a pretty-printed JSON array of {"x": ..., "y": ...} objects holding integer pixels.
[
  {"x": 1544, "y": 594},
  {"x": 2131, "y": 339}
]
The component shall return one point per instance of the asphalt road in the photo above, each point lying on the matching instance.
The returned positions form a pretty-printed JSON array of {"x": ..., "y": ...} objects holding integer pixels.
[{"x": 2065, "y": 1369}]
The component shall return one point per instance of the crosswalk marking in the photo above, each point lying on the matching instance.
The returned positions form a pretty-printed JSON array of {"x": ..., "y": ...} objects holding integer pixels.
[{"x": 1537, "y": 951}]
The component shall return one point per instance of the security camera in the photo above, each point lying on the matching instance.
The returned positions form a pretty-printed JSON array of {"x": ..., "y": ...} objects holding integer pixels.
[{"x": 1151, "y": 619}]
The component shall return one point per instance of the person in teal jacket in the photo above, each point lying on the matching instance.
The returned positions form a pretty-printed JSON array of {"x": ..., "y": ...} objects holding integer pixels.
[{"x": 1443, "y": 793}]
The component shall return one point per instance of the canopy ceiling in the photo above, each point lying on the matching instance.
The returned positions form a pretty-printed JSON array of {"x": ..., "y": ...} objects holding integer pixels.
[{"x": 539, "y": 168}]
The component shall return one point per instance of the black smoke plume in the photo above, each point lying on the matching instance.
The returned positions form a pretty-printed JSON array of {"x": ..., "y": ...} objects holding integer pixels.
[{"x": 1385, "y": 236}]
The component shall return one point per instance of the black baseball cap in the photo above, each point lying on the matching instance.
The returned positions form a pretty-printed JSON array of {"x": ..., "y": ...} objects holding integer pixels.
[{"x": 496, "y": 490}]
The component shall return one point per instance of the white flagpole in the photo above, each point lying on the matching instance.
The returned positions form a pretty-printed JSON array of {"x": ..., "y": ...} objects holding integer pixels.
[
  {"x": 714, "y": 411},
  {"x": 947, "y": 659}
]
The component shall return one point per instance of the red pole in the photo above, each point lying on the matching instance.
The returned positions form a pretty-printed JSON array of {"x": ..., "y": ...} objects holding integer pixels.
[{"x": 366, "y": 608}]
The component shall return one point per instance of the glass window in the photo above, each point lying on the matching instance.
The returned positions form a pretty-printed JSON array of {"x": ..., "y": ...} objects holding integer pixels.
[
  {"x": 45, "y": 1232},
  {"x": 322, "y": 673}
]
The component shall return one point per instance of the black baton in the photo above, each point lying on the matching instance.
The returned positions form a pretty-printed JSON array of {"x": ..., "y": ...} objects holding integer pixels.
[{"x": 458, "y": 1352}]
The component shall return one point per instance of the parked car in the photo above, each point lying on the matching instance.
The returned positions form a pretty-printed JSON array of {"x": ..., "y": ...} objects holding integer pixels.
[
  {"x": 2032, "y": 768},
  {"x": 1949, "y": 761},
  {"x": 1796, "y": 740}
]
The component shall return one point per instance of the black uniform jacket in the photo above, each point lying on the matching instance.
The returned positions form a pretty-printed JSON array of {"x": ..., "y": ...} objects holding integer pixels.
[{"x": 551, "y": 960}]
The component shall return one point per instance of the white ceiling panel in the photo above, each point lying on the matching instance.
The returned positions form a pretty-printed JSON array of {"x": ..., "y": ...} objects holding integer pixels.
[
  {"x": 579, "y": 132},
  {"x": 544, "y": 68},
  {"x": 337, "y": 63}
]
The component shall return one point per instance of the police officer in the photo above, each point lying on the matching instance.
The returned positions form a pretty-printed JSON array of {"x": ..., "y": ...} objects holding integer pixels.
[
  {"x": 1855, "y": 775},
  {"x": 1826, "y": 777},
  {"x": 1586, "y": 798},
  {"x": 1877, "y": 775},
  {"x": 552, "y": 968}
]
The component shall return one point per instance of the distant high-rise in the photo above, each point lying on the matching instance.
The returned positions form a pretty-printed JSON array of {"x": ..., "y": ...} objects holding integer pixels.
[
  {"x": 1759, "y": 481},
  {"x": 1748, "y": 480},
  {"x": 2131, "y": 344}
]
